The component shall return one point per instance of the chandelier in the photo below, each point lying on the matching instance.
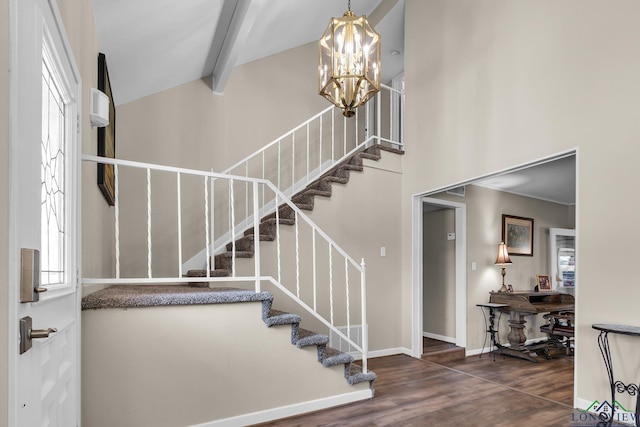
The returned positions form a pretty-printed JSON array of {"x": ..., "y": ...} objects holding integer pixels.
[{"x": 349, "y": 68}]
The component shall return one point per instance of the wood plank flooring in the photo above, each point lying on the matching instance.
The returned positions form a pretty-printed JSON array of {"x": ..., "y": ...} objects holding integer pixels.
[
  {"x": 440, "y": 351},
  {"x": 471, "y": 392},
  {"x": 429, "y": 345}
]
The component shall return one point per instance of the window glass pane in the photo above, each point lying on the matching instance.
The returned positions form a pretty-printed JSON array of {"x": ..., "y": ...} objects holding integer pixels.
[{"x": 52, "y": 249}]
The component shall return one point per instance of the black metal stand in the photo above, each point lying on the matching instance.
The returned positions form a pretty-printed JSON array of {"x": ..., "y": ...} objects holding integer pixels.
[
  {"x": 616, "y": 386},
  {"x": 491, "y": 330}
]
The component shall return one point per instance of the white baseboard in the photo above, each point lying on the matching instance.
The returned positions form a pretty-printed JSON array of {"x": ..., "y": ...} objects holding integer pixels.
[
  {"x": 389, "y": 352},
  {"x": 439, "y": 337},
  {"x": 582, "y": 403},
  {"x": 302, "y": 408},
  {"x": 477, "y": 351},
  {"x": 289, "y": 410}
]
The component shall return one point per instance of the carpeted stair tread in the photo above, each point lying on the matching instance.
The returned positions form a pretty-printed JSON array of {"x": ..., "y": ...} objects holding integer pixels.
[
  {"x": 303, "y": 337},
  {"x": 390, "y": 149},
  {"x": 320, "y": 185},
  {"x": 314, "y": 192},
  {"x": 130, "y": 296},
  {"x": 369, "y": 156},
  {"x": 305, "y": 206},
  {"x": 272, "y": 221},
  {"x": 239, "y": 254},
  {"x": 352, "y": 167},
  {"x": 247, "y": 242},
  {"x": 354, "y": 375},
  {"x": 212, "y": 273},
  {"x": 330, "y": 357},
  {"x": 277, "y": 317},
  {"x": 224, "y": 260},
  {"x": 337, "y": 179}
]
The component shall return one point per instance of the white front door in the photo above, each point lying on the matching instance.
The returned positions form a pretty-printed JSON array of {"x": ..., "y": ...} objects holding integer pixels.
[{"x": 44, "y": 188}]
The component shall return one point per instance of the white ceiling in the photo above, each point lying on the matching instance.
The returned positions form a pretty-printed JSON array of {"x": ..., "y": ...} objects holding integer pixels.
[
  {"x": 553, "y": 181},
  {"x": 154, "y": 45}
]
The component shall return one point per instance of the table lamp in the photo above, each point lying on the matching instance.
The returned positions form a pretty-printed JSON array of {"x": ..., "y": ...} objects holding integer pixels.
[{"x": 503, "y": 259}]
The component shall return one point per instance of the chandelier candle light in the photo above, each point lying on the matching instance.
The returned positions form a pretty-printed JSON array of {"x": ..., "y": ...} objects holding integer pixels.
[
  {"x": 503, "y": 259},
  {"x": 349, "y": 67}
]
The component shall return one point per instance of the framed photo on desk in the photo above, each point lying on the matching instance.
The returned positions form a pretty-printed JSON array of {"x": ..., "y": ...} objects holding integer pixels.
[{"x": 543, "y": 281}]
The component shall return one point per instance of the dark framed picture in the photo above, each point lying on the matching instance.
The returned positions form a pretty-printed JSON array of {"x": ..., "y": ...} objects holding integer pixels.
[
  {"x": 543, "y": 281},
  {"x": 517, "y": 233},
  {"x": 106, "y": 136}
]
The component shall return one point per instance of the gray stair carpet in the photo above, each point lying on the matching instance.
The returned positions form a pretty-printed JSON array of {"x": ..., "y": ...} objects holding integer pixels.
[{"x": 304, "y": 200}]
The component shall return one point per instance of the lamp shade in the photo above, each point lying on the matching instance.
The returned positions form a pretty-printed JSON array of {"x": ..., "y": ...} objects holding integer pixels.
[
  {"x": 503, "y": 255},
  {"x": 349, "y": 64}
]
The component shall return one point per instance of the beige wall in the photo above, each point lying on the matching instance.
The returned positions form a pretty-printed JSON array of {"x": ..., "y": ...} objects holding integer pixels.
[
  {"x": 484, "y": 231},
  {"x": 199, "y": 367},
  {"x": 97, "y": 228},
  {"x": 4, "y": 208},
  {"x": 189, "y": 126},
  {"x": 495, "y": 84},
  {"x": 439, "y": 273}
]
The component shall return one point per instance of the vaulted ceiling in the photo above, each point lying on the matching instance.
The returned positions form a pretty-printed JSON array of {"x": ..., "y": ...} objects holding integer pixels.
[{"x": 154, "y": 45}]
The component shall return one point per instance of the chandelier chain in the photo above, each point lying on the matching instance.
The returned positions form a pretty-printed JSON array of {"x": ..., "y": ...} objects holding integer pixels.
[{"x": 349, "y": 5}]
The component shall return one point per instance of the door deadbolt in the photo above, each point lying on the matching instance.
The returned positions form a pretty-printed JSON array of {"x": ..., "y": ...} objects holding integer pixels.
[
  {"x": 30, "y": 288},
  {"x": 27, "y": 333}
]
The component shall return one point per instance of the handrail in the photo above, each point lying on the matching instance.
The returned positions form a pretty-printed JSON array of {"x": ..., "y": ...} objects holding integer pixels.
[
  {"x": 326, "y": 141},
  {"x": 223, "y": 204}
]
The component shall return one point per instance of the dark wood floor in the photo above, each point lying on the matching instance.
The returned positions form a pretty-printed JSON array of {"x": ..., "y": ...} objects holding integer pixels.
[
  {"x": 470, "y": 392},
  {"x": 429, "y": 345}
]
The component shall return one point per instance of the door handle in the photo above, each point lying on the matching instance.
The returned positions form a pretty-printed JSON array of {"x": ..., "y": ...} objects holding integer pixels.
[
  {"x": 27, "y": 333},
  {"x": 41, "y": 333}
]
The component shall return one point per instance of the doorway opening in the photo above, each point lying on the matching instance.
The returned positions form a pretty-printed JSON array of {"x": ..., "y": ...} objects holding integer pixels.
[
  {"x": 443, "y": 253},
  {"x": 548, "y": 182}
]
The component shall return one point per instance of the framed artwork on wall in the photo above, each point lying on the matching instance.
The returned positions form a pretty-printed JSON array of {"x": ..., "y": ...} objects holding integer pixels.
[
  {"x": 106, "y": 136},
  {"x": 517, "y": 233}
]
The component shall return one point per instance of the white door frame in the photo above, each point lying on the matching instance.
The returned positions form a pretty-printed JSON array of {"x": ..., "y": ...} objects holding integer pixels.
[{"x": 417, "y": 271}]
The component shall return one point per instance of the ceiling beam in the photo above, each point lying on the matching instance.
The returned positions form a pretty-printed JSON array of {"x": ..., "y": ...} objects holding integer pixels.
[{"x": 235, "y": 22}]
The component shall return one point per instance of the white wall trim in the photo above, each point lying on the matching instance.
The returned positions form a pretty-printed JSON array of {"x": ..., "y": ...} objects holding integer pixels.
[
  {"x": 416, "y": 277},
  {"x": 451, "y": 340},
  {"x": 486, "y": 351},
  {"x": 582, "y": 403},
  {"x": 290, "y": 410},
  {"x": 461, "y": 271},
  {"x": 390, "y": 352}
]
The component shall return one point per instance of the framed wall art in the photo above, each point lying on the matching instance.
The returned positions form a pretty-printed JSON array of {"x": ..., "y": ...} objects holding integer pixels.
[
  {"x": 106, "y": 136},
  {"x": 517, "y": 233}
]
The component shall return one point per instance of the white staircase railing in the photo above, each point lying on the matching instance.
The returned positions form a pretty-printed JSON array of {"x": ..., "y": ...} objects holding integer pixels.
[
  {"x": 303, "y": 154},
  {"x": 174, "y": 208}
]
